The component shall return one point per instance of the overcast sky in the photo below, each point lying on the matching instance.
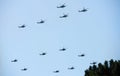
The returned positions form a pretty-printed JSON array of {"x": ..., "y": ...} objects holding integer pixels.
[{"x": 94, "y": 33}]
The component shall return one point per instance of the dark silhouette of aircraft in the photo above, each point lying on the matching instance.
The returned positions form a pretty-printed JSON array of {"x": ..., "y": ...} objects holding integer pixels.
[
  {"x": 57, "y": 71},
  {"x": 62, "y": 6},
  {"x": 63, "y": 49},
  {"x": 71, "y": 68},
  {"x": 64, "y": 16},
  {"x": 22, "y": 26},
  {"x": 43, "y": 53},
  {"x": 83, "y": 10},
  {"x": 93, "y": 63},
  {"x": 82, "y": 55},
  {"x": 40, "y": 22},
  {"x": 15, "y": 60},
  {"x": 24, "y": 69}
]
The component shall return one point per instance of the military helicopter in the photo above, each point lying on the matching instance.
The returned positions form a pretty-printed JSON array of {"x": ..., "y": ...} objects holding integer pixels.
[
  {"x": 43, "y": 53},
  {"x": 22, "y": 26},
  {"x": 82, "y": 55},
  {"x": 63, "y": 49},
  {"x": 41, "y": 21},
  {"x": 57, "y": 71},
  {"x": 15, "y": 60},
  {"x": 64, "y": 16},
  {"x": 24, "y": 69},
  {"x": 71, "y": 68},
  {"x": 93, "y": 63},
  {"x": 62, "y": 6},
  {"x": 83, "y": 10}
]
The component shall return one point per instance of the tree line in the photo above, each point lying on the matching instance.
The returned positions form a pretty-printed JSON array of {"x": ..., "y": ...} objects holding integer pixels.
[{"x": 108, "y": 68}]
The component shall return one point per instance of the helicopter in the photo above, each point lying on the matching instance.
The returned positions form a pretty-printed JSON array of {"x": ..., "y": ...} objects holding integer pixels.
[
  {"x": 82, "y": 55},
  {"x": 64, "y": 16},
  {"x": 22, "y": 26},
  {"x": 43, "y": 53},
  {"x": 63, "y": 49},
  {"x": 83, "y": 10},
  {"x": 15, "y": 60},
  {"x": 93, "y": 63},
  {"x": 62, "y": 6},
  {"x": 57, "y": 71},
  {"x": 71, "y": 68},
  {"x": 40, "y": 22},
  {"x": 24, "y": 69}
]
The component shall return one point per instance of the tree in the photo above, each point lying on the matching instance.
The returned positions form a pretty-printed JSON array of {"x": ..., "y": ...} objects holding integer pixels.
[{"x": 109, "y": 68}]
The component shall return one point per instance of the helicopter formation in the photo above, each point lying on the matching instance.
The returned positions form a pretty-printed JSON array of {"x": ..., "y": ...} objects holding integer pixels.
[
  {"x": 70, "y": 68},
  {"x": 42, "y": 21},
  {"x": 61, "y": 16},
  {"x": 55, "y": 71}
]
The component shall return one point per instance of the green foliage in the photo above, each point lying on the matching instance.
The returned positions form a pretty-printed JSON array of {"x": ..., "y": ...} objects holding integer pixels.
[{"x": 109, "y": 68}]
